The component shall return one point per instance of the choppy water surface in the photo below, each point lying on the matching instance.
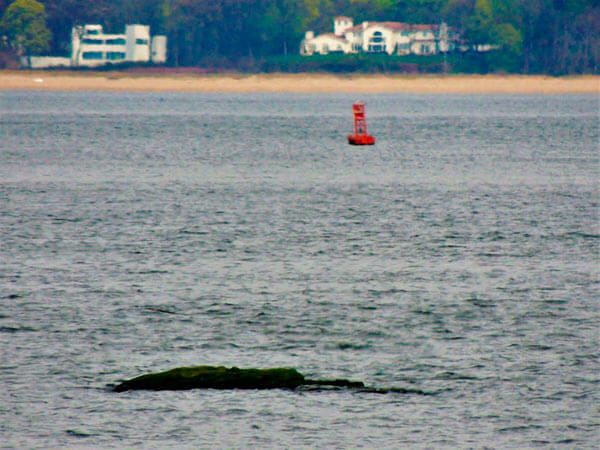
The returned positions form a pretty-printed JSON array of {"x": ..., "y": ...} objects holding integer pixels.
[{"x": 458, "y": 256}]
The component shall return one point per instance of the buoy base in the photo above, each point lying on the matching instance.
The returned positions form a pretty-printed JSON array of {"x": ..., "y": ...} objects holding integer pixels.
[{"x": 361, "y": 139}]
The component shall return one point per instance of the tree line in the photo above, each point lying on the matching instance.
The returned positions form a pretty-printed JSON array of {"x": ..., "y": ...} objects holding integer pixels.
[{"x": 534, "y": 36}]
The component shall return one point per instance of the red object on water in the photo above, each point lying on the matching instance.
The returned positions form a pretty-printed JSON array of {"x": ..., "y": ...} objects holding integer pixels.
[{"x": 360, "y": 136}]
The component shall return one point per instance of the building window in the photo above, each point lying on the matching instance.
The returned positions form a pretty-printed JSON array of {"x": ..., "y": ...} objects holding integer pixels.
[
  {"x": 141, "y": 41},
  {"x": 403, "y": 49},
  {"x": 92, "y": 41},
  {"x": 115, "y": 56},
  {"x": 376, "y": 42},
  {"x": 92, "y": 55},
  {"x": 377, "y": 37},
  {"x": 117, "y": 41}
]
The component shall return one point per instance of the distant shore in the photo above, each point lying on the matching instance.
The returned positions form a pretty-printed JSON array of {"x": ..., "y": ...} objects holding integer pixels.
[{"x": 300, "y": 83}]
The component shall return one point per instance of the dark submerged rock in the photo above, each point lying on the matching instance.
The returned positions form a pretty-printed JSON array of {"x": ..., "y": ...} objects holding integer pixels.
[
  {"x": 210, "y": 377},
  {"x": 339, "y": 382}
]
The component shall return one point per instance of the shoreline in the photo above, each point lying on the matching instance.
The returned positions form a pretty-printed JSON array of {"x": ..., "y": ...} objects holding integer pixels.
[{"x": 296, "y": 83}]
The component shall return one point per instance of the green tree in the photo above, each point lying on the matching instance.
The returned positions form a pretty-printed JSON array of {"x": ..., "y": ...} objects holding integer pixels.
[
  {"x": 508, "y": 38},
  {"x": 510, "y": 42},
  {"x": 480, "y": 22},
  {"x": 285, "y": 21},
  {"x": 24, "y": 25},
  {"x": 457, "y": 13},
  {"x": 413, "y": 11}
]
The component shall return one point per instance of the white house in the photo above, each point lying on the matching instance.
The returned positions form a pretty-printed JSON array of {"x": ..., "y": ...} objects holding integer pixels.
[
  {"x": 91, "y": 47},
  {"x": 326, "y": 43},
  {"x": 381, "y": 37}
]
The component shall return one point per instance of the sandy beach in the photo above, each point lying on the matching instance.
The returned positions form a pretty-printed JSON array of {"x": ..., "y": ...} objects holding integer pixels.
[{"x": 301, "y": 83}]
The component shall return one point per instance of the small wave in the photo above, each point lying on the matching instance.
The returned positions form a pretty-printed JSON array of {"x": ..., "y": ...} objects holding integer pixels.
[
  {"x": 492, "y": 236},
  {"x": 367, "y": 307},
  {"x": 198, "y": 233},
  {"x": 147, "y": 272},
  {"x": 351, "y": 346},
  {"x": 539, "y": 347},
  {"x": 9, "y": 329},
  {"x": 567, "y": 441},
  {"x": 424, "y": 312},
  {"x": 581, "y": 234},
  {"x": 383, "y": 292},
  {"x": 452, "y": 338},
  {"x": 160, "y": 309},
  {"x": 449, "y": 375},
  {"x": 492, "y": 254},
  {"x": 64, "y": 219},
  {"x": 481, "y": 303},
  {"x": 79, "y": 434},
  {"x": 519, "y": 428}
]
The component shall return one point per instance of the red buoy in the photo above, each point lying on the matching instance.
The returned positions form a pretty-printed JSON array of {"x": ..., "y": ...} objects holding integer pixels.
[{"x": 360, "y": 136}]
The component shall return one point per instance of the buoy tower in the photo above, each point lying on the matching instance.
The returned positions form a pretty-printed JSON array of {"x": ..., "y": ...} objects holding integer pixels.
[{"x": 360, "y": 136}]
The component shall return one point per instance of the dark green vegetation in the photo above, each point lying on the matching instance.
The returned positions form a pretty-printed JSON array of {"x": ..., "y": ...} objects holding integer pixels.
[
  {"x": 210, "y": 377},
  {"x": 378, "y": 63},
  {"x": 535, "y": 36}
]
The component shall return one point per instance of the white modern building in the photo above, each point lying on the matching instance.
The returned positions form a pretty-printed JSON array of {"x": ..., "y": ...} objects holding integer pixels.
[
  {"x": 91, "y": 47},
  {"x": 381, "y": 37}
]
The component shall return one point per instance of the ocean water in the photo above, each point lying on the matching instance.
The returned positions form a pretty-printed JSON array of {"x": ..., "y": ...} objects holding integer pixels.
[{"x": 458, "y": 256}]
